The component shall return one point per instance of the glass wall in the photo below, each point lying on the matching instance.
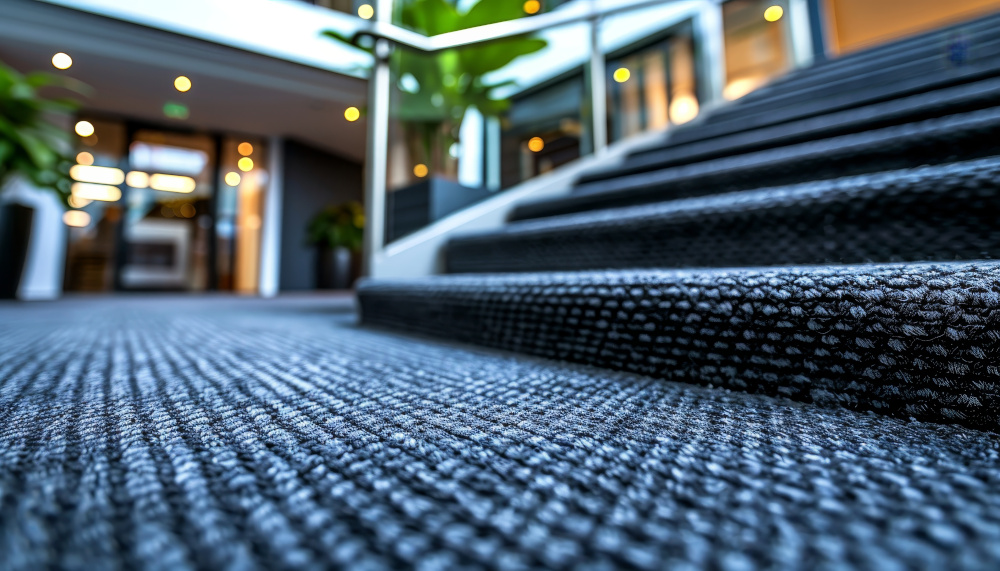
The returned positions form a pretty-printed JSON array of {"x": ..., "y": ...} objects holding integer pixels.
[
  {"x": 857, "y": 24},
  {"x": 757, "y": 41},
  {"x": 652, "y": 86},
  {"x": 158, "y": 209}
]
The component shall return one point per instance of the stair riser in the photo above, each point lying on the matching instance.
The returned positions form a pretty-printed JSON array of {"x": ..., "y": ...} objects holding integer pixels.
[{"x": 906, "y": 341}]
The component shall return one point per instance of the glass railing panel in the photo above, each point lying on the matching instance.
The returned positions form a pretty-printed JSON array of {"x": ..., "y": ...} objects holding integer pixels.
[
  {"x": 758, "y": 44},
  {"x": 651, "y": 69},
  {"x": 467, "y": 123}
]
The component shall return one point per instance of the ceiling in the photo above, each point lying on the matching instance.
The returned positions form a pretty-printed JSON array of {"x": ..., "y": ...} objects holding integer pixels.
[{"x": 131, "y": 69}]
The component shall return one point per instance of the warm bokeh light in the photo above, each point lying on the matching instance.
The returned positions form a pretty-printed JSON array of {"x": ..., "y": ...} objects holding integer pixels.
[
  {"x": 84, "y": 128},
  {"x": 683, "y": 109},
  {"x": 532, "y": 7},
  {"x": 97, "y": 175},
  {"x": 76, "y": 218},
  {"x": 188, "y": 210},
  {"x": 365, "y": 11},
  {"x": 536, "y": 144},
  {"x": 774, "y": 13},
  {"x": 233, "y": 178},
  {"x": 352, "y": 114},
  {"x": 85, "y": 158},
  {"x": 245, "y": 149},
  {"x": 172, "y": 183},
  {"x": 182, "y": 83},
  {"x": 245, "y": 164},
  {"x": 739, "y": 87},
  {"x": 102, "y": 192},
  {"x": 420, "y": 171},
  {"x": 62, "y": 61},
  {"x": 77, "y": 202},
  {"x": 137, "y": 179},
  {"x": 622, "y": 74}
]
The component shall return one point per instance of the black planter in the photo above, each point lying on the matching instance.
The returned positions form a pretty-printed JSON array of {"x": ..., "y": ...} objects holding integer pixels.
[
  {"x": 334, "y": 268},
  {"x": 15, "y": 235},
  {"x": 413, "y": 207}
]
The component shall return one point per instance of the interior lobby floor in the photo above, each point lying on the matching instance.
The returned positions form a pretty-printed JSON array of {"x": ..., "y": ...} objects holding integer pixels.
[{"x": 238, "y": 433}]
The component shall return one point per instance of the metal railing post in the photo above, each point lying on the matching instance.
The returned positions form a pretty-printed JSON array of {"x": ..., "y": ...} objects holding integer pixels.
[
  {"x": 598, "y": 88},
  {"x": 378, "y": 145}
]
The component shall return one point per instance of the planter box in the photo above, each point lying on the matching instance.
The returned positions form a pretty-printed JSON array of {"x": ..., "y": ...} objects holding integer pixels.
[{"x": 412, "y": 207}]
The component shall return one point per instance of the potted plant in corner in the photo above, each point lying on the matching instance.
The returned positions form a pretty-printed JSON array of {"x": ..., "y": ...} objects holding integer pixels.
[
  {"x": 337, "y": 233},
  {"x": 29, "y": 149}
]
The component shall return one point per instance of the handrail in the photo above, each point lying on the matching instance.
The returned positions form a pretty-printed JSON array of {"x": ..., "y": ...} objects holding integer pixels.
[{"x": 577, "y": 12}]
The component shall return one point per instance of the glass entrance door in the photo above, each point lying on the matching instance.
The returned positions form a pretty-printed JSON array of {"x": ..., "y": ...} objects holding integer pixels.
[{"x": 169, "y": 202}]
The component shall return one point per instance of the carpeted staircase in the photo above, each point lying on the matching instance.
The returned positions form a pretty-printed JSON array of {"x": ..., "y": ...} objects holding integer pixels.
[
  {"x": 770, "y": 341},
  {"x": 829, "y": 239}
]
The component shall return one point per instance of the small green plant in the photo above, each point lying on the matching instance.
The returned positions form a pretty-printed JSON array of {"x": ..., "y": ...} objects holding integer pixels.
[
  {"x": 30, "y": 144},
  {"x": 436, "y": 90},
  {"x": 340, "y": 226}
]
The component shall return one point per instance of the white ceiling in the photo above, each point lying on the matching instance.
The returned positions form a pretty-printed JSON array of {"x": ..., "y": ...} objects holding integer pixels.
[{"x": 132, "y": 68}]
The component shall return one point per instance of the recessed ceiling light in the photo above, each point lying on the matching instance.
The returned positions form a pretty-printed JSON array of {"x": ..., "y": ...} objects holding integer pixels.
[
  {"x": 84, "y": 128},
  {"x": 62, "y": 61},
  {"x": 182, "y": 83}
]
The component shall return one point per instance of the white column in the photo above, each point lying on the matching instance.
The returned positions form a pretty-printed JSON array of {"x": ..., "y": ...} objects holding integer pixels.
[
  {"x": 270, "y": 239},
  {"x": 43, "y": 268},
  {"x": 598, "y": 89},
  {"x": 800, "y": 32},
  {"x": 710, "y": 37},
  {"x": 470, "y": 149}
]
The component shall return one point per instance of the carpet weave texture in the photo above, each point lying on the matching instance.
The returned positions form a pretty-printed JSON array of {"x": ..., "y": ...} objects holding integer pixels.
[{"x": 165, "y": 433}]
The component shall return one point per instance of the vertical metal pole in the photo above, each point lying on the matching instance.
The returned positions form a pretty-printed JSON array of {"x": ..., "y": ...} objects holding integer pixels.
[
  {"x": 598, "y": 88},
  {"x": 800, "y": 33},
  {"x": 378, "y": 146},
  {"x": 711, "y": 49}
]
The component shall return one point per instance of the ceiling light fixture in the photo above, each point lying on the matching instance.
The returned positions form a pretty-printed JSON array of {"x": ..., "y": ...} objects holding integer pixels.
[{"x": 62, "y": 61}]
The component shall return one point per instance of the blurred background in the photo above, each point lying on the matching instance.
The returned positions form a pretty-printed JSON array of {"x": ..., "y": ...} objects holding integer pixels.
[{"x": 222, "y": 145}]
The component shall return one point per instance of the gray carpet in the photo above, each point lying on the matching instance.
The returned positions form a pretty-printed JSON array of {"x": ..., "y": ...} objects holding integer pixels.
[{"x": 233, "y": 434}]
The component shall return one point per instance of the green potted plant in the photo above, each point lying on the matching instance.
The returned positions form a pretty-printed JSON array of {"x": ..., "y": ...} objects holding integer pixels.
[
  {"x": 337, "y": 233},
  {"x": 30, "y": 148},
  {"x": 437, "y": 90}
]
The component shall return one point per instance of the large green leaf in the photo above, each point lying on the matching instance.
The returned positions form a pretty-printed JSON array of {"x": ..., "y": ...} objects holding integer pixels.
[
  {"x": 430, "y": 17},
  {"x": 490, "y": 12},
  {"x": 484, "y": 58}
]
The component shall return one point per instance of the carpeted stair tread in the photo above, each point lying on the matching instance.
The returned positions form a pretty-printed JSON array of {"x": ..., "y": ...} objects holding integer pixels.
[
  {"x": 931, "y": 213},
  {"x": 933, "y": 141},
  {"x": 908, "y": 340},
  {"x": 176, "y": 433},
  {"x": 931, "y": 47},
  {"x": 960, "y": 99},
  {"x": 862, "y": 87}
]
